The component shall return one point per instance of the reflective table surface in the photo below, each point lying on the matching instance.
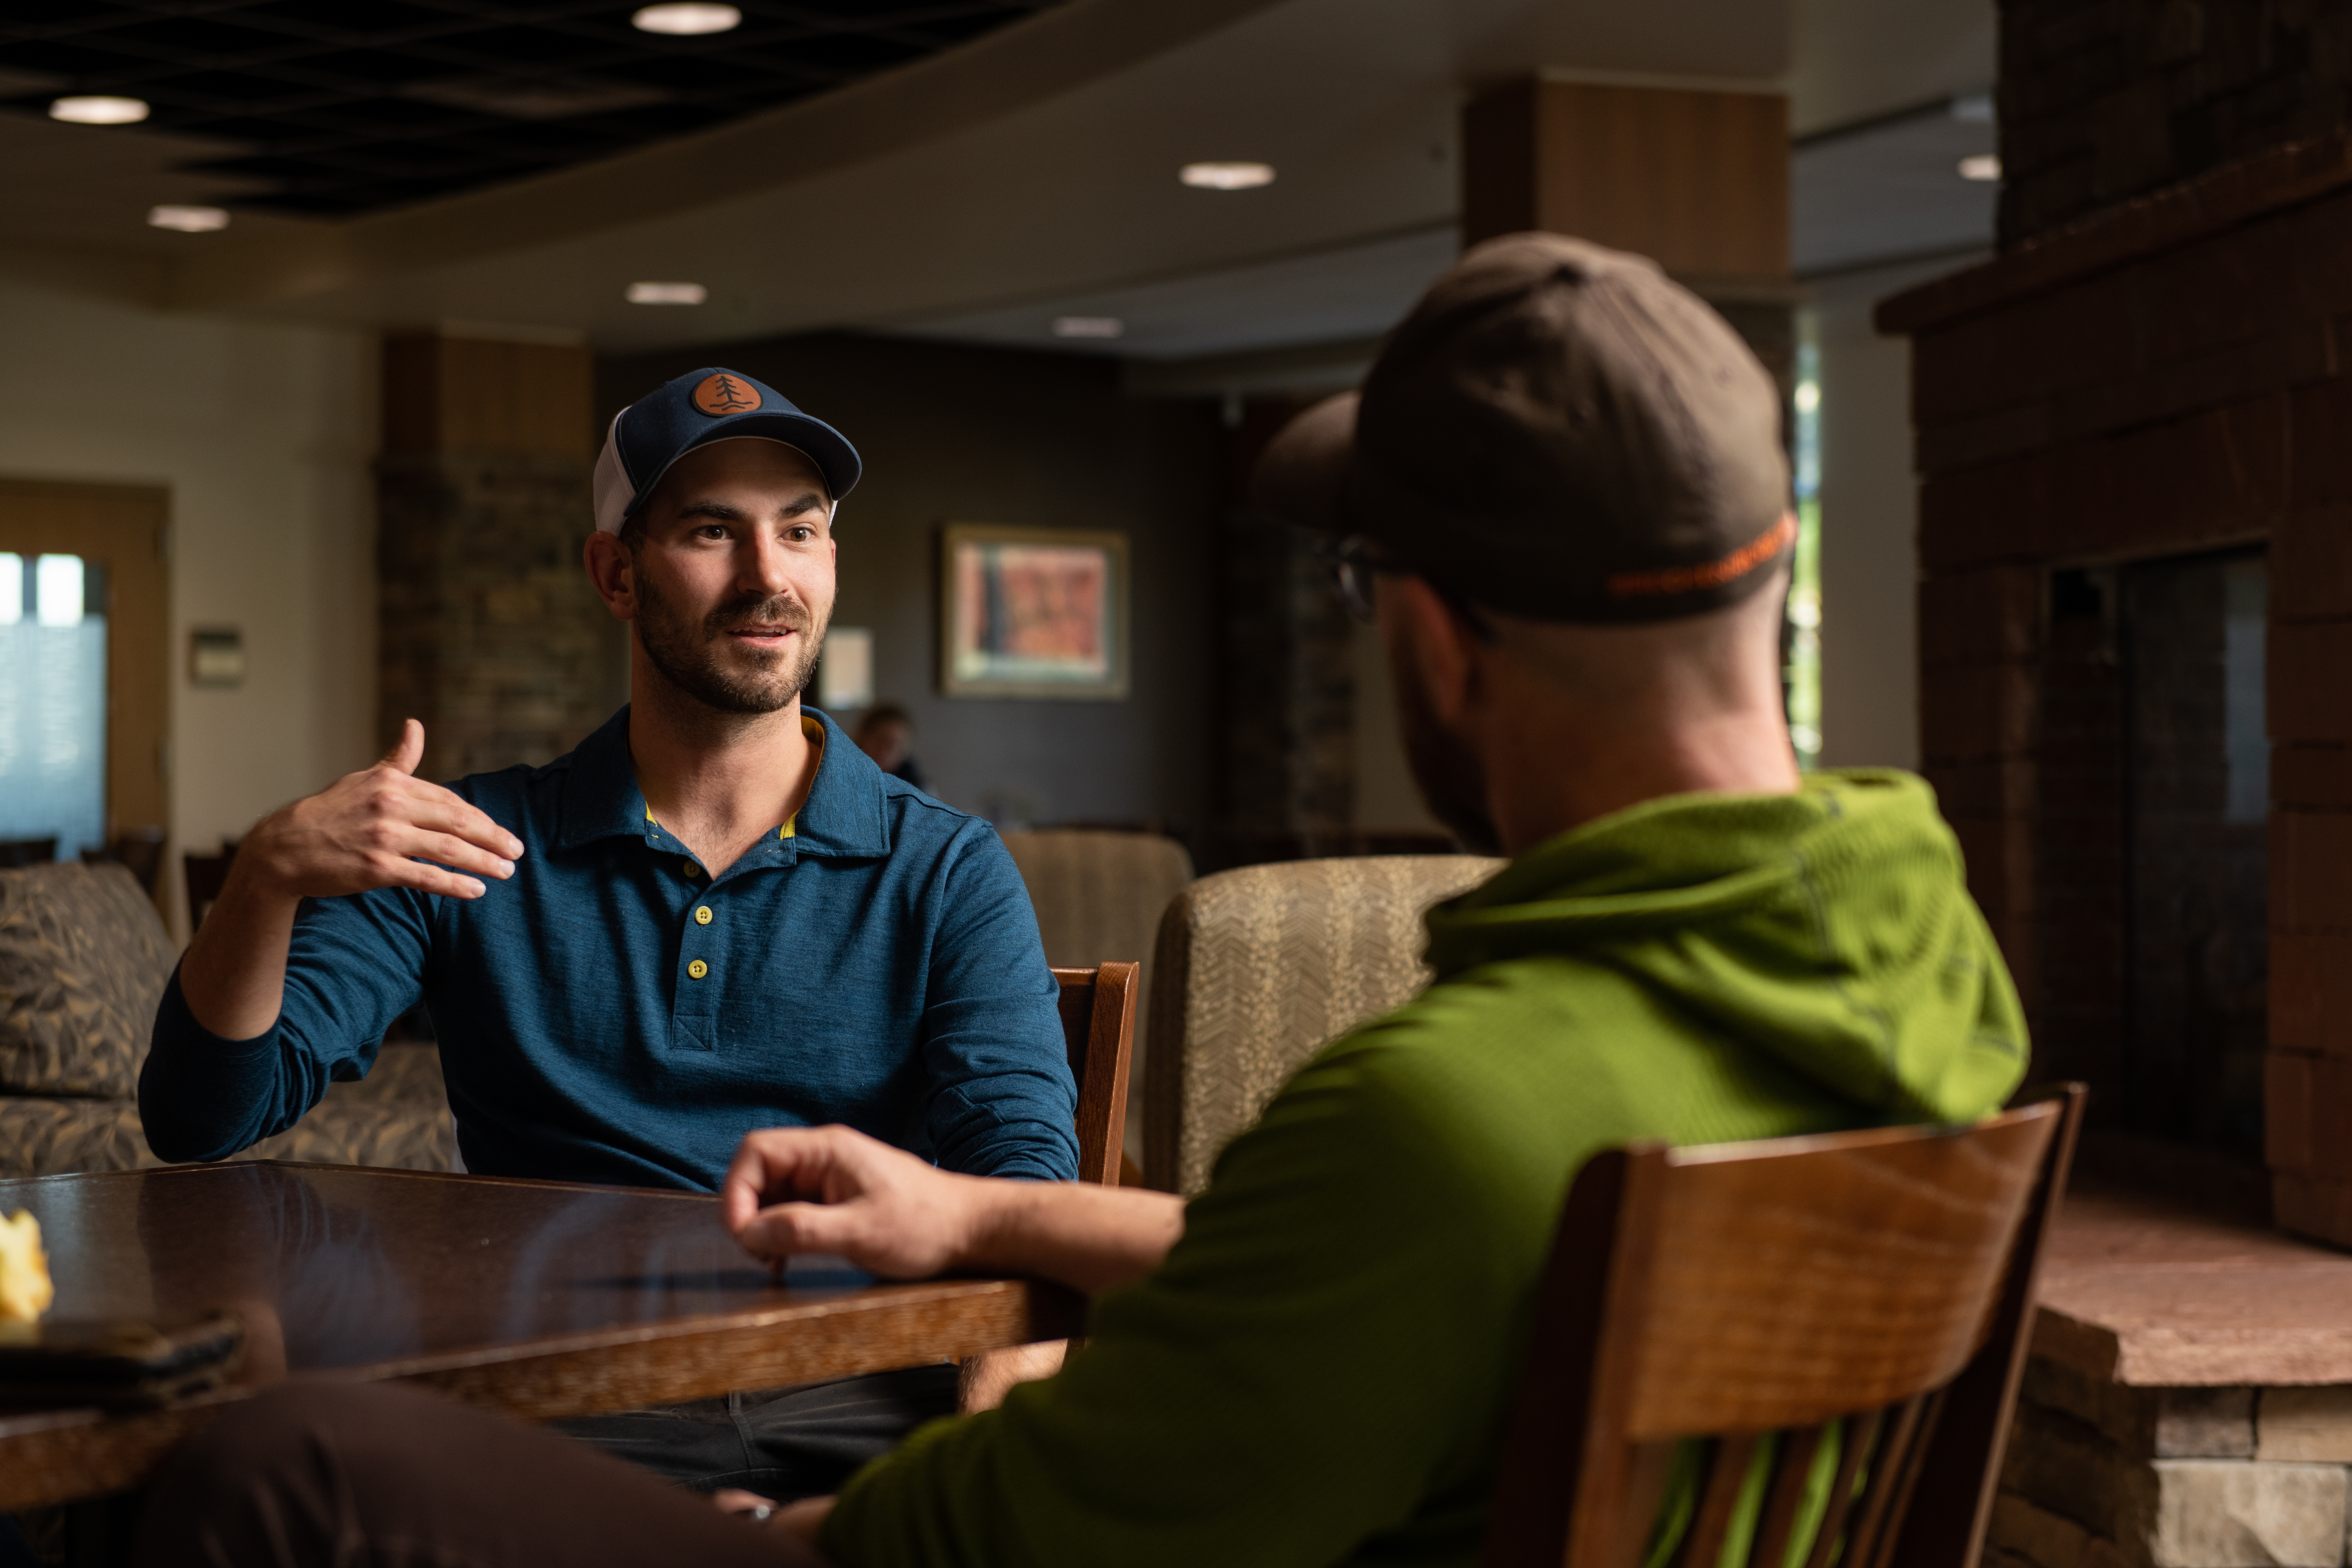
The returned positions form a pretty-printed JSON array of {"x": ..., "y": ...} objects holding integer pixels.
[{"x": 540, "y": 1298}]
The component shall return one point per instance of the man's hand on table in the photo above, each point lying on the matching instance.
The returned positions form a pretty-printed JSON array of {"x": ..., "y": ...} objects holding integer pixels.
[
  {"x": 375, "y": 828},
  {"x": 796, "y": 1190}
]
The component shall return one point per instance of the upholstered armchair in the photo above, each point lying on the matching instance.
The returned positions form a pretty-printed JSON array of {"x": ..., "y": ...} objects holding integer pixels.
[{"x": 1257, "y": 968}]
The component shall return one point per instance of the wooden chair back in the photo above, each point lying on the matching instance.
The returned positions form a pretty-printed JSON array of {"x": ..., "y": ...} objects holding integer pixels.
[
  {"x": 16, "y": 853},
  {"x": 1098, "y": 1028},
  {"x": 207, "y": 876},
  {"x": 1872, "y": 1289}
]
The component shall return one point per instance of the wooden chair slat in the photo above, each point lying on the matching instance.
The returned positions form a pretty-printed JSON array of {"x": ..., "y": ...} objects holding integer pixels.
[
  {"x": 1647, "y": 1472},
  {"x": 1726, "y": 1293},
  {"x": 1727, "y": 1474},
  {"x": 1907, "y": 1475},
  {"x": 1870, "y": 1533},
  {"x": 1785, "y": 1495},
  {"x": 1858, "y": 1436}
]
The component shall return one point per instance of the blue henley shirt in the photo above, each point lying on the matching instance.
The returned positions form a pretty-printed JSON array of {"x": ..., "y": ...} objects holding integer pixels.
[{"x": 612, "y": 1013}]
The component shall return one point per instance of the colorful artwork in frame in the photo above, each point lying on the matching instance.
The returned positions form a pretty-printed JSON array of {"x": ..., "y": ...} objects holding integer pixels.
[{"x": 1032, "y": 612}]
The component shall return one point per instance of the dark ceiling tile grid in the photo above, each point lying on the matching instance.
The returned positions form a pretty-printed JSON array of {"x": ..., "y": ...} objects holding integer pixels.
[{"x": 351, "y": 106}]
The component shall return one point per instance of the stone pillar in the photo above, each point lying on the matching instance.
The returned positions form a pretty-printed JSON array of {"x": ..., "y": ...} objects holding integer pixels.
[
  {"x": 1286, "y": 772},
  {"x": 492, "y": 634}
]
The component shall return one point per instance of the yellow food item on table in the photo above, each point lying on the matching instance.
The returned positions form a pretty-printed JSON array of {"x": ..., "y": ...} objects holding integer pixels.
[{"x": 25, "y": 1289}]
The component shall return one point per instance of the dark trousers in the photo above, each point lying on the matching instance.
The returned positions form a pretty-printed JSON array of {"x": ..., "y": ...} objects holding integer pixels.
[
  {"x": 782, "y": 1443},
  {"x": 369, "y": 1476}
]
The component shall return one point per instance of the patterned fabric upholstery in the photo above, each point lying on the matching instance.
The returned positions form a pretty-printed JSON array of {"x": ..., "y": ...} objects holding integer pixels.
[
  {"x": 83, "y": 959},
  {"x": 398, "y": 1116},
  {"x": 1258, "y": 968},
  {"x": 1099, "y": 896}
]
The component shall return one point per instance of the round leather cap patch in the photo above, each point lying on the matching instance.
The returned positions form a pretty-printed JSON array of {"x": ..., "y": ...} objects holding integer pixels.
[{"x": 723, "y": 393}]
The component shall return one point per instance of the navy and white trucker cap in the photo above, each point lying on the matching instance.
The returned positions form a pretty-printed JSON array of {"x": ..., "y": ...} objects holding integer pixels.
[{"x": 697, "y": 408}]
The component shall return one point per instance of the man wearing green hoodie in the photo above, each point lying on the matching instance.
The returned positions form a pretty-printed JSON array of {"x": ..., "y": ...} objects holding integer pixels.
[{"x": 1563, "y": 498}]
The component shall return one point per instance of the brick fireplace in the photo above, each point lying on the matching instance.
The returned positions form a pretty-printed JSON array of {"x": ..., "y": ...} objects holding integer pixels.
[
  {"x": 2134, "y": 441},
  {"x": 2135, "y": 448}
]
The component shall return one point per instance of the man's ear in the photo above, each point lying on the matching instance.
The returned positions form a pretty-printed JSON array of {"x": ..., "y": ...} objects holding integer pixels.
[
  {"x": 1422, "y": 632},
  {"x": 613, "y": 571}
]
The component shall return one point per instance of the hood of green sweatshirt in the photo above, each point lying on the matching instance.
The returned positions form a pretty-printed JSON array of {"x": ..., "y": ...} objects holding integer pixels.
[{"x": 1831, "y": 927}]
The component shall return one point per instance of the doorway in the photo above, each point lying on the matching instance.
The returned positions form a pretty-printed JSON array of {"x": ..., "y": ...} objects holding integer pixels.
[{"x": 85, "y": 700}]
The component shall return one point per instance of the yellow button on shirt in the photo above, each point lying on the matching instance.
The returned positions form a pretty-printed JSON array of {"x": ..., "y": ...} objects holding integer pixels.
[
  {"x": 703, "y": 915},
  {"x": 698, "y": 969}
]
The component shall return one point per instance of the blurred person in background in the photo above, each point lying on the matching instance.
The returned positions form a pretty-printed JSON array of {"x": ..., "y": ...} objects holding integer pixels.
[{"x": 886, "y": 734}]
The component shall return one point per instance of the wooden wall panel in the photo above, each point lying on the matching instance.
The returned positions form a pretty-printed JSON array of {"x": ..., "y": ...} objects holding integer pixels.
[
  {"x": 1696, "y": 180},
  {"x": 481, "y": 395}
]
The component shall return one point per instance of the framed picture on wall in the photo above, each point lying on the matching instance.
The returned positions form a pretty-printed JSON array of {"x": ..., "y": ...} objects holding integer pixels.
[{"x": 1033, "y": 612}]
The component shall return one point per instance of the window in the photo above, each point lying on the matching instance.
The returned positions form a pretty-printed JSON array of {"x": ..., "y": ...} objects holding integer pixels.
[{"x": 52, "y": 701}]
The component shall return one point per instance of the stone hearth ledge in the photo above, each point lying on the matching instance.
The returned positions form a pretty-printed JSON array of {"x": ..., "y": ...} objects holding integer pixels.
[{"x": 2149, "y": 1294}]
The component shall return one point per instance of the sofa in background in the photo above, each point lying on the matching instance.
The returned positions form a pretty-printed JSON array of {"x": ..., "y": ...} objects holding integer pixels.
[{"x": 83, "y": 959}]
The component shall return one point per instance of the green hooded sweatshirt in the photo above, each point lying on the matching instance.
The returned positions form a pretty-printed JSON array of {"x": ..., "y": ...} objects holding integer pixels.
[{"x": 1321, "y": 1369}]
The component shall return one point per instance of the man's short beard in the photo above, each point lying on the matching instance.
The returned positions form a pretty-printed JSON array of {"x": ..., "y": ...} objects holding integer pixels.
[
  {"x": 1452, "y": 783},
  {"x": 687, "y": 655}
]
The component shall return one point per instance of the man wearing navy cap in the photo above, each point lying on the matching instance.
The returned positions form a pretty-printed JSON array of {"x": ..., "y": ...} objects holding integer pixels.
[{"x": 714, "y": 915}]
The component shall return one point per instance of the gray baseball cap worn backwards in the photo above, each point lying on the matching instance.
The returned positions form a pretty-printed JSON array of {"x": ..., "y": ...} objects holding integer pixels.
[{"x": 1558, "y": 431}]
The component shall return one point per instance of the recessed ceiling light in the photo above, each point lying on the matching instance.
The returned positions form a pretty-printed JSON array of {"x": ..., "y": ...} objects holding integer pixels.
[
  {"x": 687, "y": 21},
  {"x": 1981, "y": 166},
  {"x": 1227, "y": 176},
  {"x": 188, "y": 220},
  {"x": 667, "y": 293},
  {"x": 98, "y": 110},
  {"x": 1088, "y": 327}
]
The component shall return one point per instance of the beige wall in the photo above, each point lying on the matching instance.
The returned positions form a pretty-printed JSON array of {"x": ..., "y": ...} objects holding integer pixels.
[
  {"x": 264, "y": 434},
  {"x": 1870, "y": 662}
]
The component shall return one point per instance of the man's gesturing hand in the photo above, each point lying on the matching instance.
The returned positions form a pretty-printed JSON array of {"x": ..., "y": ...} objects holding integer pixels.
[
  {"x": 834, "y": 1190},
  {"x": 377, "y": 829}
]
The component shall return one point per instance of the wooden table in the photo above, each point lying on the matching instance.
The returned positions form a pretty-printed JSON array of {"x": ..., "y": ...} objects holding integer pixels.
[{"x": 540, "y": 1298}]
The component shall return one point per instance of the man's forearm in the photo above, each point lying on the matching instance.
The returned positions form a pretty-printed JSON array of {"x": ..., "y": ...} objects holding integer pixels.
[
  {"x": 234, "y": 976},
  {"x": 1092, "y": 1238}
]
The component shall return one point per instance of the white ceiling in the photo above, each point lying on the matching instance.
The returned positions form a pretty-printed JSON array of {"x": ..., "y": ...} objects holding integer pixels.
[
  {"x": 1893, "y": 190},
  {"x": 984, "y": 192}
]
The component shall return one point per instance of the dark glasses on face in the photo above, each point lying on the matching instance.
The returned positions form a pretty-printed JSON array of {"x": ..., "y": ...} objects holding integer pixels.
[{"x": 1356, "y": 561}]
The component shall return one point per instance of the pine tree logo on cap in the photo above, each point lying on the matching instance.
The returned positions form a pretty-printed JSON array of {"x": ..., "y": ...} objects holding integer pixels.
[{"x": 723, "y": 393}]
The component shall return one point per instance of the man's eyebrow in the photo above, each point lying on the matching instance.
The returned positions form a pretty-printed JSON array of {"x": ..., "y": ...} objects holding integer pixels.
[{"x": 727, "y": 511}]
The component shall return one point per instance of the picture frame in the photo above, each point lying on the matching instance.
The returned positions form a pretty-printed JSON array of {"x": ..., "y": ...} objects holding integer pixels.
[{"x": 1033, "y": 612}]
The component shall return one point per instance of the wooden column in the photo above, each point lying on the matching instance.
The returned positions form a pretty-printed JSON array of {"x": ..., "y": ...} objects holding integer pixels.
[
  {"x": 492, "y": 634},
  {"x": 1696, "y": 180}
]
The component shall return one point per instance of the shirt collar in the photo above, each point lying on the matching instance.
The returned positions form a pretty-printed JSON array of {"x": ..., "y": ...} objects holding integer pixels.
[{"x": 843, "y": 815}]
